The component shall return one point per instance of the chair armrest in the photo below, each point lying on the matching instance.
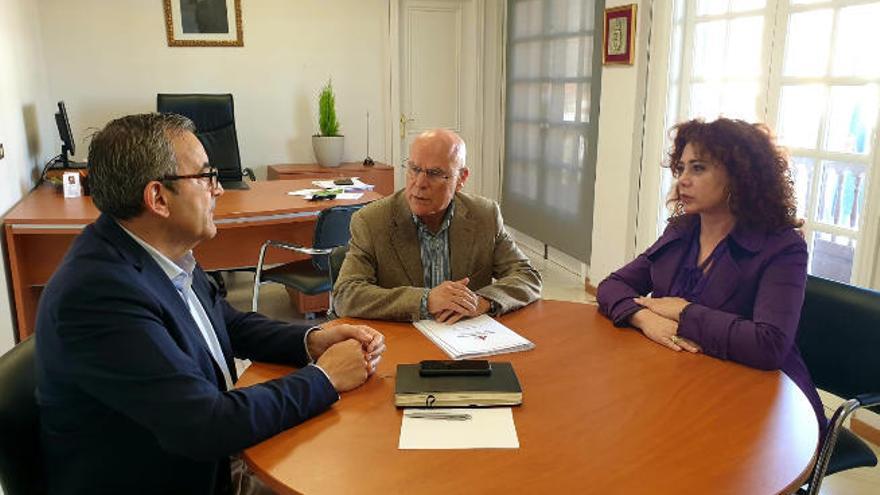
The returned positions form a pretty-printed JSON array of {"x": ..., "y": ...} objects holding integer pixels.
[
  {"x": 249, "y": 173},
  {"x": 868, "y": 400},
  {"x": 826, "y": 447},
  {"x": 280, "y": 245},
  {"x": 299, "y": 249}
]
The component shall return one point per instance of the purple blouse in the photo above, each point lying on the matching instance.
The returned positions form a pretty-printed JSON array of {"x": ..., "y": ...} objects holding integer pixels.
[
  {"x": 745, "y": 309},
  {"x": 692, "y": 278}
]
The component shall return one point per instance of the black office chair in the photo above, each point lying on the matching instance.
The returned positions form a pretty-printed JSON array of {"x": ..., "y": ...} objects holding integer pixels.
[
  {"x": 337, "y": 257},
  {"x": 839, "y": 337},
  {"x": 21, "y": 459},
  {"x": 214, "y": 117},
  {"x": 312, "y": 276}
]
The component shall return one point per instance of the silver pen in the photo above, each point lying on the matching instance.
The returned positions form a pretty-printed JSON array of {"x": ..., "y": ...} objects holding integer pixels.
[{"x": 439, "y": 415}]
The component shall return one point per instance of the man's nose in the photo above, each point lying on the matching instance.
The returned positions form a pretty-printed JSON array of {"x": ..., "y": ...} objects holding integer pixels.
[
  {"x": 218, "y": 191},
  {"x": 422, "y": 179}
]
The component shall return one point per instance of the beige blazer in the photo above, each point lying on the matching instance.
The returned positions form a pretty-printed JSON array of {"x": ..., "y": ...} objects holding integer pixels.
[{"x": 382, "y": 276}]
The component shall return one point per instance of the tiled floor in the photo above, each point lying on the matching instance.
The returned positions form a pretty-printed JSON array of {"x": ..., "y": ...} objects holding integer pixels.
[{"x": 559, "y": 284}]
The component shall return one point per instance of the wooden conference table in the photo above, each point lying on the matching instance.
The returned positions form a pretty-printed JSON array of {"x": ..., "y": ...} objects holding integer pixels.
[
  {"x": 40, "y": 228},
  {"x": 604, "y": 411}
]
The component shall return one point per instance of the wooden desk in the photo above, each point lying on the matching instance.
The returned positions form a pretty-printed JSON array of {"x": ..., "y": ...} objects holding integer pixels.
[
  {"x": 39, "y": 230},
  {"x": 605, "y": 411},
  {"x": 380, "y": 175}
]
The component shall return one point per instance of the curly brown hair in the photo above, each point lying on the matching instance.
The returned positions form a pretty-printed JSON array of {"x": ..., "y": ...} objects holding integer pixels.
[{"x": 761, "y": 190}]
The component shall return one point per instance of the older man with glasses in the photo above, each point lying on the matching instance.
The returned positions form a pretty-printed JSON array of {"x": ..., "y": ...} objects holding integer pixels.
[
  {"x": 135, "y": 347},
  {"x": 431, "y": 251}
]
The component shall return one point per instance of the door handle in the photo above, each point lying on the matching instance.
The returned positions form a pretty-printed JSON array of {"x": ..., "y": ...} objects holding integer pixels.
[{"x": 403, "y": 122}]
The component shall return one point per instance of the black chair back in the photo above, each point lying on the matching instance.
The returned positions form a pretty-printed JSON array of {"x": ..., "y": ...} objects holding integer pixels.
[
  {"x": 21, "y": 460},
  {"x": 337, "y": 257},
  {"x": 331, "y": 230},
  {"x": 839, "y": 337},
  {"x": 214, "y": 117}
]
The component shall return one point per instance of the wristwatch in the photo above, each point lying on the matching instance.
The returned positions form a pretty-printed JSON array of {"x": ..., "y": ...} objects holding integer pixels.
[{"x": 494, "y": 308}]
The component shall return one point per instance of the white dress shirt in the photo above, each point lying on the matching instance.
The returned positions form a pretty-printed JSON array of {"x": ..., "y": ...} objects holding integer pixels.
[{"x": 180, "y": 272}]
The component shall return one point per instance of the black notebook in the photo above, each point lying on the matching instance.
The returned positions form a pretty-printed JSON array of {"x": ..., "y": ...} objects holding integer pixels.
[{"x": 499, "y": 388}]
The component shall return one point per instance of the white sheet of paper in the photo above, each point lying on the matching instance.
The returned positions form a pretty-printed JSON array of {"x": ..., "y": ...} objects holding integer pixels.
[
  {"x": 349, "y": 195},
  {"x": 306, "y": 193},
  {"x": 356, "y": 185},
  {"x": 488, "y": 428}
]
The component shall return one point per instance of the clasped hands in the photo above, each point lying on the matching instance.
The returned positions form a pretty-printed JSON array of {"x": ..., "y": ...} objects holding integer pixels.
[
  {"x": 453, "y": 300},
  {"x": 349, "y": 354},
  {"x": 658, "y": 320}
]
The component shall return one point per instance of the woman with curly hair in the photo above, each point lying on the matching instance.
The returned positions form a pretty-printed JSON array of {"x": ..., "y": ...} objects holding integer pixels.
[{"x": 727, "y": 276}]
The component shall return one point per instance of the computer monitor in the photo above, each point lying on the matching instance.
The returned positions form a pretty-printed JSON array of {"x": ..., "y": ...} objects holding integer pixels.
[{"x": 67, "y": 143}]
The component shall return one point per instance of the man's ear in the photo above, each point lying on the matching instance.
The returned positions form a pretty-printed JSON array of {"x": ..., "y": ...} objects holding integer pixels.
[
  {"x": 156, "y": 199},
  {"x": 462, "y": 178}
]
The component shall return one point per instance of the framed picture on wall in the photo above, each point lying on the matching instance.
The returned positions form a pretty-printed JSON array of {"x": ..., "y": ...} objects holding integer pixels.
[
  {"x": 203, "y": 22},
  {"x": 620, "y": 33}
]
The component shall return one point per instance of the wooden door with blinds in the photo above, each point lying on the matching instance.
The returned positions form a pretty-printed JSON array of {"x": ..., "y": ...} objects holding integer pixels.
[{"x": 553, "y": 83}]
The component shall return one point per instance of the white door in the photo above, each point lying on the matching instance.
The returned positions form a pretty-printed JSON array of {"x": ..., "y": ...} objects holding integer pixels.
[{"x": 435, "y": 80}]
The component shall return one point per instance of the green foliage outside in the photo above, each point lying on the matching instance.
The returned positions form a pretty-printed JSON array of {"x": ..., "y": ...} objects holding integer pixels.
[{"x": 327, "y": 111}]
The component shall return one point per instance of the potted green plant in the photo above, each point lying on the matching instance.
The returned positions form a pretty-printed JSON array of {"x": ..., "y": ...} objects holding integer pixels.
[{"x": 328, "y": 144}]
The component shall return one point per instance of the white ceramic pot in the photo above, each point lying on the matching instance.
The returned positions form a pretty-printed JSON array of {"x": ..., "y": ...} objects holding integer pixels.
[{"x": 328, "y": 150}]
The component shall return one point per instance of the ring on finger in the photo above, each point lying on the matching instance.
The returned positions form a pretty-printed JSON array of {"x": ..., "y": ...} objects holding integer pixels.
[{"x": 674, "y": 339}]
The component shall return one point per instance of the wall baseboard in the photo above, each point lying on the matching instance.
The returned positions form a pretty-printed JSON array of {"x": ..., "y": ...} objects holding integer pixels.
[
  {"x": 590, "y": 288},
  {"x": 555, "y": 256}
]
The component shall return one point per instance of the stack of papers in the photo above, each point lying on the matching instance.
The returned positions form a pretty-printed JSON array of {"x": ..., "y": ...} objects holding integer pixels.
[
  {"x": 308, "y": 193},
  {"x": 477, "y": 337},
  {"x": 356, "y": 186}
]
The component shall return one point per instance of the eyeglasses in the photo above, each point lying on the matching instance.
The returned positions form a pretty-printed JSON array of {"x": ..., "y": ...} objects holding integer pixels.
[
  {"x": 433, "y": 174},
  {"x": 211, "y": 178}
]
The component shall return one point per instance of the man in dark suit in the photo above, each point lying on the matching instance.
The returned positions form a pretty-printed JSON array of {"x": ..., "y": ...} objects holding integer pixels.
[{"x": 135, "y": 346}]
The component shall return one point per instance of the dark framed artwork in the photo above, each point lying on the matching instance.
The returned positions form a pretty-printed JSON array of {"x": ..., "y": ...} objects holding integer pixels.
[
  {"x": 203, "y": 22},
  {"x": 620, "y": 33}
]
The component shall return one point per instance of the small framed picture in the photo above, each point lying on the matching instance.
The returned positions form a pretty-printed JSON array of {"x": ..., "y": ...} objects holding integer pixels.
[
  {"x": 203, "y": 22},
  {"x": 71, "y": 185},
  {"x": 618, "y": 46}
]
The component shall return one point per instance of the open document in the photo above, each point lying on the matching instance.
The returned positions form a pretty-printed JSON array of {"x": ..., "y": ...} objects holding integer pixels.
[{"x": 476, "y": 337}]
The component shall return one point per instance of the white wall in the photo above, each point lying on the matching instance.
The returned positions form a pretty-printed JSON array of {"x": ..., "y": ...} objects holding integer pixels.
[
  {"x": 110, "y": 58},
  {"x": 26, "y": 118},
  {"x": 618, "y": 157},
  {"x": 492, "y": 95}
]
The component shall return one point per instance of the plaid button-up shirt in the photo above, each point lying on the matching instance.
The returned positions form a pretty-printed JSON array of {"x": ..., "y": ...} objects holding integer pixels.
[{"x": 435, "y": 255}]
